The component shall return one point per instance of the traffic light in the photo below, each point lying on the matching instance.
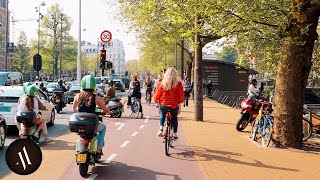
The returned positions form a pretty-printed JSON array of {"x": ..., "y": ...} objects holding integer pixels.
[
  {"x": 103, "y": 54},
  {"x": 109, "y": 65}
]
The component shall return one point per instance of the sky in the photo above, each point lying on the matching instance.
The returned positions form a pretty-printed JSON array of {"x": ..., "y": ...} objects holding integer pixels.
[{"x": 97, "y": 15}]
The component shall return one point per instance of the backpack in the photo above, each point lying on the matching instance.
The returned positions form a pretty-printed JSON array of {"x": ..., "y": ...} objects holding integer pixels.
[{"x": 136, "y": 86}]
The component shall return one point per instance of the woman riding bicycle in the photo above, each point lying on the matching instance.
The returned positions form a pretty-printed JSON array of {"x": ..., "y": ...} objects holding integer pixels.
[
  {"x": 86, "y": 101},
  {"x": 170, "y": 94},
  {"x": 149, "y": 85}
]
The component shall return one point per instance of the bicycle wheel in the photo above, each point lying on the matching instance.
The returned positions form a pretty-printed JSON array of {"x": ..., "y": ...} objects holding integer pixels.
[
  {"x": 136, "y": 108},
  {"x": 306, "y": 129},
  {"x": 167, "y": 140},
  {"x": 254, "y": 130},
  {"x": 148, "y": 99},
  {"x": 267, "y": 133},
  {"x": 127, "y": 111}
]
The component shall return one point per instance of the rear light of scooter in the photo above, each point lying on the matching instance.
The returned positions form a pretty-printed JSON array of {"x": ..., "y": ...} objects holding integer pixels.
[
  {"x": 120, "y": 103},
  {"x": 82, "y": 118}
]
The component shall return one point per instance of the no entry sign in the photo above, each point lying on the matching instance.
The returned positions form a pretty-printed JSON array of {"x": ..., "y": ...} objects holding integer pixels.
[{"x": 106, "y": 36}]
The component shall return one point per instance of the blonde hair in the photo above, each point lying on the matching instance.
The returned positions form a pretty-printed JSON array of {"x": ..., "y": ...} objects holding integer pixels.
[{"x": 170, "y": 79}]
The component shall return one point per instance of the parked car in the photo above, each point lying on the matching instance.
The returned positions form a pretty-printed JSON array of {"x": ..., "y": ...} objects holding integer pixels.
[
  {"x": 10, "y": 78},
  {"x": 119, "y": 85},
  {"x": 126, "y": 82},
  {"x": 73, "y": 91},
  {"x": 9, "y": 97},
  {"x": 3, "y": 131}
]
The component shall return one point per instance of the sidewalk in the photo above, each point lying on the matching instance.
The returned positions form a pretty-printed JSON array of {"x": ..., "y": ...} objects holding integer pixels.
[{"x": 224, "y": 153}]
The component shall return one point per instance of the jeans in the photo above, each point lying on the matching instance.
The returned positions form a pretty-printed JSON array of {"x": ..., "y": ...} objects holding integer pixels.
[
  {"x": 137, "y": 95},
  {"x": 100, "y": 135},
  {"x": 174, "y": 113},
  {"x": 186, "y": 98}
]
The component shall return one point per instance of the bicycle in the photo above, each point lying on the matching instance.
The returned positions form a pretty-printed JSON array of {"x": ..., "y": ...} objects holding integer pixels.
[
  {"x": 168, "y": 136},
  {"x": 148, "y": 98},
  {"x": 134, "y": 109}
]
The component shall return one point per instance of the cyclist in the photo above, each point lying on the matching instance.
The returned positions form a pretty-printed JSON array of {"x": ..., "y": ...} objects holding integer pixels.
[
  {"x": 29, "y": 102},
  {"x": 149, "y": 85},
  {"x": 136, "y": 91},
  {"x": 111, "y": 92},
  {"x": 170, "y": 94},
  {"x": 86, "y": 101}
]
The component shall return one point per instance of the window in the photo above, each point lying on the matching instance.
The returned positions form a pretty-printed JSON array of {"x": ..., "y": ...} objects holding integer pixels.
[
  {"x": 94, "y": 50},
  {"x": 3, "y": 3}
]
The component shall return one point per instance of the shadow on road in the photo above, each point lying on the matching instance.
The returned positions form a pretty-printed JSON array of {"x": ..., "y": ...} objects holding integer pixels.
[
  {"x": 58, "y": 145},
  {"x": 118, "y": 170},
  {"x": 190, "y": 153}
]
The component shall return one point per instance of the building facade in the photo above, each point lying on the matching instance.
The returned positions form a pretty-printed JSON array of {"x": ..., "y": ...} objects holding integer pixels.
[
  {"x": 3, "y": 33},
  {"x": 115, "y": 54}
]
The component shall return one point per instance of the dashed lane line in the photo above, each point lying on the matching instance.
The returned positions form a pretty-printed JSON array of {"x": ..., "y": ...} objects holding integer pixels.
[
  {"x": 110, "y": 158},
  {"x": 147, "y": 119},
  {"x": 92, "y": 176},
  {"x": 125, "y": 144},
  {"x": 134, "y": 134},
  {"x": 142, "y": 126}
]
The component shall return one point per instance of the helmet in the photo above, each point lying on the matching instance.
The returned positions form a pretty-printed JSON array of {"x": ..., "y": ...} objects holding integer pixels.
[
  {"x": 88, "y": 82},
  {"x": 31, "y": 90},
  {"x": 25, "y": 85},
  {"x": 41, "y": 84},
  {"x": 110, "y": 82},
  {"x": 60, "y": 82}
]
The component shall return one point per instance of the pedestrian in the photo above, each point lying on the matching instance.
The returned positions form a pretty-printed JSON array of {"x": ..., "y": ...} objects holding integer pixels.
[
  {"x": 209, "y": 87},
  {"x": 187, "y": 90}
]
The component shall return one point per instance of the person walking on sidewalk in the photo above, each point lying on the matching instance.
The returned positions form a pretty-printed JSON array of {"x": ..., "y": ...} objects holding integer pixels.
[
  {"x": 187, "y": 90},
  {"x": 170, "y": 94}
]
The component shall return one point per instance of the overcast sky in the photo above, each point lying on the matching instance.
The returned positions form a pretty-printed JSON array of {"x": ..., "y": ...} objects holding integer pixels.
[{"x": 97, "y": 16}]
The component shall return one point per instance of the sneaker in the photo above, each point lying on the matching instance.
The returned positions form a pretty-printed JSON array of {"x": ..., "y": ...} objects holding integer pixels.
[
  {"x": 47, "y": 140},
  {"x": 160, "y": 133},
  {"x": 36, "y": 135}
]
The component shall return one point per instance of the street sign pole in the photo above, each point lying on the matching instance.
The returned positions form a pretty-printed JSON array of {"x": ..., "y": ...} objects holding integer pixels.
[{"x": 105, "y": 37}]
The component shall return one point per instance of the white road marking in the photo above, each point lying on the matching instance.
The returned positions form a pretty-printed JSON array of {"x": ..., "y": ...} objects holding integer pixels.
[
  {"x": 121, "y": 125},
  {"x": 142, "y": 126},
  {"x": 92, "y": 176},
  {"x": 110, "y": 158},
  {"x": 134, "y": 134},
  {"x": 147, "y": 119},
  {"x": 125, "y": 144}
]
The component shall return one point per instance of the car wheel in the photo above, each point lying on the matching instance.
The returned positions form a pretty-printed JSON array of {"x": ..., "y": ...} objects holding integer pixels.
[
  {"x": 52, "y": 118},
  {"x": 2, "y": 135}
]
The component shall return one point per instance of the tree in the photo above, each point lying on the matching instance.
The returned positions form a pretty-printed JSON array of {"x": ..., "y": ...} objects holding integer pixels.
[
  {"x": 228, "y": 53},
  {"x": 21, "y": 61},
  {"x": 52, "y": 23}
]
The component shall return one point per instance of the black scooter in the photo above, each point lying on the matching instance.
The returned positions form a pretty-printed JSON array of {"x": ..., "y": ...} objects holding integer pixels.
[
  {"x": 57, "y": 99},
  {"x": 116, "y": 107}
]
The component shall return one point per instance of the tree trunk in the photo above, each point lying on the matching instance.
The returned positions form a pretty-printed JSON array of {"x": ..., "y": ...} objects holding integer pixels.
[
  {"x": 198, "y": 93},
  {"x": 189, "y": 69},
  {"x": 292, "y": 74}
]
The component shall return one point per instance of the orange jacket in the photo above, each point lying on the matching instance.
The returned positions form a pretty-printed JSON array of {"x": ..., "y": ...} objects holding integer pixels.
[{"x": 170, "y": 98}]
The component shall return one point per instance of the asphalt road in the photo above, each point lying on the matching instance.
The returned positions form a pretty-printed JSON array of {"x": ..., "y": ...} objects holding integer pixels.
[{"x": 132, "y": 150}]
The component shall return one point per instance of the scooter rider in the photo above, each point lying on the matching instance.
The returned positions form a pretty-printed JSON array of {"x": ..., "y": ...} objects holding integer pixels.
[
  {"x": 86, "y": 101},
  {"x": 111, "y": 92}
]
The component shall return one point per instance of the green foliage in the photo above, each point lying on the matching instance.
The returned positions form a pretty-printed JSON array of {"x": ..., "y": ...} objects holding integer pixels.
[
  {"x": 228, "y": 53},
  {"x": 21, "y": 61}
]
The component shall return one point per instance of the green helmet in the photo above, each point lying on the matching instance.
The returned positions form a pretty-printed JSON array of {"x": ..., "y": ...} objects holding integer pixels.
[
  {"x": 25, "y": 85},
  {"x": 88, "y": 82},
  {"x": 31, "y": 90}
]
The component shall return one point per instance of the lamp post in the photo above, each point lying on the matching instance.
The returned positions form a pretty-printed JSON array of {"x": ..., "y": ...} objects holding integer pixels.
[
  {"x": 79, "y": 47},
  {"x": 60, "y": 66}
]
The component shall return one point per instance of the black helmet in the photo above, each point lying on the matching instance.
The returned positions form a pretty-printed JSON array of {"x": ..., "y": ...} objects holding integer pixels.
[
  {"x": 41, "y": 84},
  {"x": 110, "y": 82},
  {"x": 60, "y": 82}
]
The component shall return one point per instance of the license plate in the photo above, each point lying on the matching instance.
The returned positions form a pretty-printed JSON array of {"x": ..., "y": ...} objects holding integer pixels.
[
  {"x": 23, "y": 137},
  {"x": 81, "y": 158},
  {"x": 5, "y": 109},
  {"x": 57, "y": 100}
]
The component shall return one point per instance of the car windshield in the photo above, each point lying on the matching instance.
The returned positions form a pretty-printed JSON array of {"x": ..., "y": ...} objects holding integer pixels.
[
  {"x": 52, "y": 85},
  {"x": 75, "y": 88}
]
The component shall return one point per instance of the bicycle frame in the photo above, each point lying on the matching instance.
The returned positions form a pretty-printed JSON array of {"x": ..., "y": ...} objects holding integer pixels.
[{"x": 168, "y": 133}]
